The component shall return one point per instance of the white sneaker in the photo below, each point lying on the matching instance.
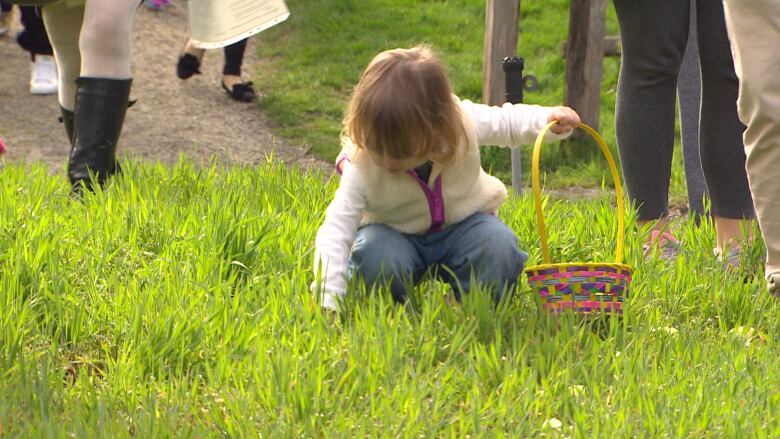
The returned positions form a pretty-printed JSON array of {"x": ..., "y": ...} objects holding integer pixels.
[
  {"x": 43, "y": 79},
  {"x": 5, "y": 22}
]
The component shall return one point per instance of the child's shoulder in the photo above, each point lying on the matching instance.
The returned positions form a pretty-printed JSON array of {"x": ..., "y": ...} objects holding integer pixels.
[
  {"x": 463, "y": 103},
  {"x": 467, "y": 107},
  {"x": 349, "y": 158},
  {"x": 349, "y": 150}
]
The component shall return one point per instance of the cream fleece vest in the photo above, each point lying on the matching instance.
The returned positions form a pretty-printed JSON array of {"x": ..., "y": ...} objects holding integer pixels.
[{"x": 397, "y": 200}]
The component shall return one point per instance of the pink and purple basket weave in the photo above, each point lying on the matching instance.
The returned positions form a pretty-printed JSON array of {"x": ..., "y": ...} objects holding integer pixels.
[{"x": 580, "y": 287}]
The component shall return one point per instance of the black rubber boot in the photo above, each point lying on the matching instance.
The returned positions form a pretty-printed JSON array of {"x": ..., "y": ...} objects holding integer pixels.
[
  {"x": 67, "y": 121},
  {"x": 101, "y": 105}
]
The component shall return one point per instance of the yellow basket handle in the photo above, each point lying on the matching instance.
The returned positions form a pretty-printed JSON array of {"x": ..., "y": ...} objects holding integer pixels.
[{"x": 538, "y": 194}]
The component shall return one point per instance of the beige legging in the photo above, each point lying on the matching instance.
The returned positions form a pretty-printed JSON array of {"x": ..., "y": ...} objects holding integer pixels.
[
  {"x": 92, "y": 40},
  {"x": 754, "y": 27}
]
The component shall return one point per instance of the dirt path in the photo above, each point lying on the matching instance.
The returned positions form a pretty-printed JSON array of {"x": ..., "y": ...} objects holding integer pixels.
[{"x": 172, "y": 117}]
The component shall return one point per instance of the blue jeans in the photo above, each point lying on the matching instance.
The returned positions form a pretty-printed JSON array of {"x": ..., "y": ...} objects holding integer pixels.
[{"x": 480, "y": 248}]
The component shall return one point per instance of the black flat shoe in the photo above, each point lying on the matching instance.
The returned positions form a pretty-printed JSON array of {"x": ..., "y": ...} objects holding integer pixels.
[
  {"x": 187, "y": 66},
  {"x": 242, "y": 92}
]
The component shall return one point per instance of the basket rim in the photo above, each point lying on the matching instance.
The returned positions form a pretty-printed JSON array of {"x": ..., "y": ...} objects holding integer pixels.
[{"x": 578, "y": 264}]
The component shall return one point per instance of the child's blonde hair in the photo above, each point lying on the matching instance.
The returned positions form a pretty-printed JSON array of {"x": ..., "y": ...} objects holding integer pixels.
[{"x": 403, "y": 107}]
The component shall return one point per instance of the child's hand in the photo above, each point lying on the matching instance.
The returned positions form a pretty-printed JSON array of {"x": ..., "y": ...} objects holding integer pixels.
[
  {"x": 331, "y": 315},
  {"x": 567, "y": 118}
]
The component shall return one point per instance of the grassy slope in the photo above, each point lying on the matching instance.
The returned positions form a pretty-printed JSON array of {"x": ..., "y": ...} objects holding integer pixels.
[
  {"x": 311, "y": 62},
  {"x": 177, "y": 304}
]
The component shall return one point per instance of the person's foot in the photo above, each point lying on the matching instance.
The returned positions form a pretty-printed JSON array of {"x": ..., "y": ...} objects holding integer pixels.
[
  {"x": 730, "y": 259},
  {"x": 773, "y": 286},
  {"x": 187, "y": 66},
  {"x": 43, "y": 76},
  {"x": 738, "y": 260},
  {"x": 156, "y": 5},
  {"x": 189, "y": 62},
  {"x": 238, "y": 89},
  {"x": 667, "y": 246}
]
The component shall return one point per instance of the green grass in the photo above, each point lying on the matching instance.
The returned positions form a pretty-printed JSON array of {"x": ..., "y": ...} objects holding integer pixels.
[
  {"x": 177, "y": 304},
  {"x": 310, "y": 63}
]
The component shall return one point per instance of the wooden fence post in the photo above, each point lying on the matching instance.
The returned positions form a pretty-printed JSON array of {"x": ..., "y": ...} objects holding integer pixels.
[
  {"x": 501, "y": 18},
  {"x": 584, "y": 59},
  {"x": 500, "y": 41}
]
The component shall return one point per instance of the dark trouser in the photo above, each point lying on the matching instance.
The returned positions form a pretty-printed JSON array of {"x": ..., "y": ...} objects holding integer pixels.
[
  {"x": 234, "y": 57},
  {"x": 33, "y": 38},
  {"x": 654, "y": 34}
]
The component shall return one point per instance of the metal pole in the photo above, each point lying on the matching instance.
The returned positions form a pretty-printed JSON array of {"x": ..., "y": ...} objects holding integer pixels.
[{"x": 513, "y": 69}]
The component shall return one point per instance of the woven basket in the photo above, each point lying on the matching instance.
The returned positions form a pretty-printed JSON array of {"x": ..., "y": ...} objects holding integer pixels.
[{"x": 581, "y": 287}]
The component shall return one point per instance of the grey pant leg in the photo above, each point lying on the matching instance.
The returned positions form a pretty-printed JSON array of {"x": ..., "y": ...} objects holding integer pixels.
[
  {"x": 653, "y": 34},
  {"x": 722, "y": 148},
  {"x": 689, "y": 94}
]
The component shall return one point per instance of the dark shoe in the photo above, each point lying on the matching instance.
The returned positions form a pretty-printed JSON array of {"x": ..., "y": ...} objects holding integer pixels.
[
  {"x": 187, "y": 66},
  {"x": 242, "y": 92},
  {"x": 100, "y": 110}
]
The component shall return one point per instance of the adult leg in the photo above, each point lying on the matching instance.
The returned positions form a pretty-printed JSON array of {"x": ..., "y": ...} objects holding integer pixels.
[
  {"x": 231, "y": 73},
  {"x": 5, "y": 17},
  {"x": 43, "y": 70},
  {"x": 653, "y": 34},
  {"x": 33, "y": 38},
  {"x": 234, "y": 58},
  {"x": 382, "y": 256},
  {"x": 754, "y": 28},
  {"x": 722, "y": 148},
  {"x": 63, "y": 26},
  {"x": 481, "y": 249},
  {"x": 105, "y": 41},
  {"x": 103, "y": 89}
]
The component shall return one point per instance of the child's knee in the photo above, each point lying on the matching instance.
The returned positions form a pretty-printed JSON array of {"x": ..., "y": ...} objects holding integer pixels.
[
  {"x": 376, "y": 263},
  {"x": 379, "y": 250},
  {"x": 506, "y": 262},
  {"x": 500, "y": 243},
  {"x": 376, "y": 267},
  {"x": 501, "y": 259},
  {"x": 367, "y": 262}
]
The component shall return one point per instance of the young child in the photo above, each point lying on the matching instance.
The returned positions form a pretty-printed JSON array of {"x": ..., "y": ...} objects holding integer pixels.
[{"x": 413, "y": 198}]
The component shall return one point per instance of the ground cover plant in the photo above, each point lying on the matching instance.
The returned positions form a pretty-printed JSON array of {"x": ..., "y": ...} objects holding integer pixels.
[{"x": 176, "y": 303}]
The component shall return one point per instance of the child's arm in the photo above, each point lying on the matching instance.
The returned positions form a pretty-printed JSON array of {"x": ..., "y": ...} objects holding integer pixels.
[
  {"x": 518, "y": 124},
  {"x": 336, "y": 236}
]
